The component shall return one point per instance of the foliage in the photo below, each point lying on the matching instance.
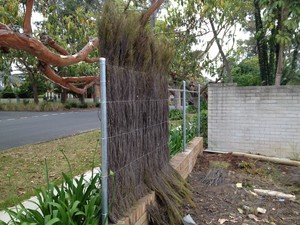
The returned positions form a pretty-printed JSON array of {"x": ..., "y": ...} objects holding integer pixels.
[
  {"x": 175, "y": 114},
  {"x": 187, "y": 26},
  {"x": 176, "y": 137},
  {"x": 25, "y": 90},
  {"x": 8, "y": 92},
  {"x": 191, "y": 109},
  {"x": 277, "y": 34},
  {"x": 74, "y": 202},
  {"x": 25, "y": 105},
  {"x": 204, "y": 125},
  {"x": 69, "y": 23},
  {"x": 203, "y": 104},
  {"x": 246, "y": 73}
]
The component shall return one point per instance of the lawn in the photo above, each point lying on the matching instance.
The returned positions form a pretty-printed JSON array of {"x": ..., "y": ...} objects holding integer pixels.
[{"x": 23, "y": 168}]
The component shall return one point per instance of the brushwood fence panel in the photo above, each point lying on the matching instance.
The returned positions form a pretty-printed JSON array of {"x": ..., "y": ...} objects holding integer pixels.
[{"x": 262, "y": 120}]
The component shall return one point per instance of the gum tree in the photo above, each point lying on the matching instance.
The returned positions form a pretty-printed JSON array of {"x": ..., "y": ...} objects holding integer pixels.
[{"x": 52, "y": 55}]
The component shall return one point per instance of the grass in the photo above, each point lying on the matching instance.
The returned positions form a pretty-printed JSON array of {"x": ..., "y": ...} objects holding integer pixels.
[
  {"x": 22, "y": 169},
  {"x": 44, "y": 106}
]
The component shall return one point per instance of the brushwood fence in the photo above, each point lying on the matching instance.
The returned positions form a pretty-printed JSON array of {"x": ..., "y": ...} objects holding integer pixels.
[{"x": 135, "y": 136}]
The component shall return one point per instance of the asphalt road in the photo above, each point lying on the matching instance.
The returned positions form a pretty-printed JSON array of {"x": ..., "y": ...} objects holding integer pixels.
[{"x": 21, "y": 128}]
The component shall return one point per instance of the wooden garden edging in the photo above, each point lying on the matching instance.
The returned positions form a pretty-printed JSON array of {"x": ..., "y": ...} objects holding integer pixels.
[{"x": 184, "y": 163}]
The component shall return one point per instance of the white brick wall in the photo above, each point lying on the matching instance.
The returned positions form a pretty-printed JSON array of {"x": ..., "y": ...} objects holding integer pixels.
[{"x": 264, "y": 120}]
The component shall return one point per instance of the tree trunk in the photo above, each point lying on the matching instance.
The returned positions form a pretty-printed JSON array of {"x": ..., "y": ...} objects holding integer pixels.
[
  {"x": 153, "y": 17},
  {"x": 279, "y": 67},
  {"x": 272, "y": 62},
  {"x": 81, "y": 98},
  {"x": 262, "y": 47},
  {"x": 177, "y": 100},
  {"x": 35, "y": 92},
  {"x": 282, "y": 16},
  {"x": 63, "y": 96},
  {"x": 224, "y": 58}
]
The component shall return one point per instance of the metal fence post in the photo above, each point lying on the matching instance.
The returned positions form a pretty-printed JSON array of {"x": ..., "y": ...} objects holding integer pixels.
[
  {"x": 199, "y": 110},
  {"x": 184, "y": 116},
  {"x": 104, "y": 175}
]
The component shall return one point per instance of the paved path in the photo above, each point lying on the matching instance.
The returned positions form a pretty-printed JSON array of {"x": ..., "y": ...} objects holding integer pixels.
[{"x": 21, "y": 128}]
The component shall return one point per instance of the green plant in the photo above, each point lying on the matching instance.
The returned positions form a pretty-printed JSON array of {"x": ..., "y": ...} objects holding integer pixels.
[
  {"x": 191, "y": 109},
  {"x": 73, "y": 104},
  {"x": 176, "y": 137},
  {"x": 175, "y": 114},
  {"x": 83, "y": 105},
  {"x": 175, "y": 140},
  {"x": 204, "y": 125},
  {"x": 74, "y": 202},
  {"x": 25, "y": 101},
  {"x": 8, "y": 92},
  {"x": 67, "y": 106}
]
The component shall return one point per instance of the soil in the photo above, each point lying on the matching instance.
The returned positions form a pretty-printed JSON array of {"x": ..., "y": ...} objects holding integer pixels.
[{"x": 218, "y": 200}]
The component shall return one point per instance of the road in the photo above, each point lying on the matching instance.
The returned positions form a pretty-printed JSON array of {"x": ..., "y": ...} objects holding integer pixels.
[{"x": 21, "y": 128}]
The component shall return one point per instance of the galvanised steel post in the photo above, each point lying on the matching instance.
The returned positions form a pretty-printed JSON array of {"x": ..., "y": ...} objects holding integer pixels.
[
  {"x": 184, "y": 116},
  {"x": 199, "y": 112},
  {"x": 104, "y": 183}
]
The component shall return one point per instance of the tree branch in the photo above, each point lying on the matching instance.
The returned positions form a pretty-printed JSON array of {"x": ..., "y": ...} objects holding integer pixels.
[
  {"x": 50, "y": 74},
  {"x": 27, "y": 19},
  {"x": 36, "y": 48},
  {"x": 47, "y": 40},
  {"x": 146, "y": 15},
  {"x": 4, "y": 27},
  {"x": 76, "y": 79}
]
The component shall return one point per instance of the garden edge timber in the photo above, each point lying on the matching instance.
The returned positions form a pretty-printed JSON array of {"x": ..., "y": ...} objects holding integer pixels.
[{"x": 183, "y": 163}]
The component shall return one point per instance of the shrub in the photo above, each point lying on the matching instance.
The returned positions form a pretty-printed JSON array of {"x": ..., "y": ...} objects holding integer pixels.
[
  {"x": 191, "y": 109},
  {"x": 25, "y": 101},
  {"x": 73, "y": 104},
  {"x": 176, "y": 136},
  {"x": 8, "y": 93},
  {"x": 83, "y": 105},
  {"x": 74, "y": 202},
  {"x": 67, "y": 106},
  {"x": 175, "y": 114}
]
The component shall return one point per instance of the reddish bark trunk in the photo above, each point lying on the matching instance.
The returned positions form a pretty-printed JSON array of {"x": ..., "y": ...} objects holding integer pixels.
[
  {"x": 36, "y": 48},
  {"x": 27, "y": 17}
]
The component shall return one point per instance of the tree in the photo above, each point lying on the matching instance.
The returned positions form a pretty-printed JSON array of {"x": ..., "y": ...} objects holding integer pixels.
[
  {"x": 199, "y": 25},
  {"x": 276, "y": 32},
  {"x": 47, "y": 60},
  {"x": 246, "y": 73},
  {"x": 26, "y": 42}
]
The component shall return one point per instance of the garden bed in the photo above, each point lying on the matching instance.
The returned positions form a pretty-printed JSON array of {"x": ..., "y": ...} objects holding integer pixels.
[{"x": 219, "y": 200}]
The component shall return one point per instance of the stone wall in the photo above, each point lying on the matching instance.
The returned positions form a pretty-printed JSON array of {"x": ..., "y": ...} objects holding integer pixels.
[{"x": 263, "y": 120}]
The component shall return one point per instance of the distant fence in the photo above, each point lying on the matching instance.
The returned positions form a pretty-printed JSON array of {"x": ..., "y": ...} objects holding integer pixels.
[
  {"x": 181, "y": 99},
  {"x": 262, "y": 120}
]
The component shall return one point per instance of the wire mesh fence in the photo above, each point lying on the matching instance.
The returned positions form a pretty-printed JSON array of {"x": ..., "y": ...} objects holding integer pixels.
[{"x": 184, "y": 117}]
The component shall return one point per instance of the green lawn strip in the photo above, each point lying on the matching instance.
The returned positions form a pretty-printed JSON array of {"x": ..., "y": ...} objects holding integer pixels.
[{"x": 22, "y": 169}]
